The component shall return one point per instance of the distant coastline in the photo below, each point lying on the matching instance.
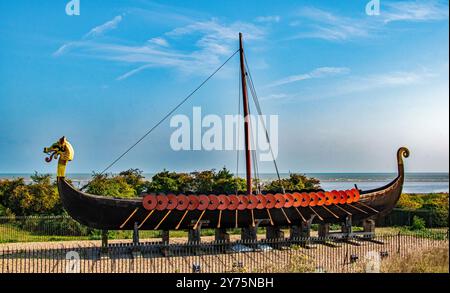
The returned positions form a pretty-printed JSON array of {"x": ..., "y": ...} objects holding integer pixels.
[{"x": 423, "y": 182}]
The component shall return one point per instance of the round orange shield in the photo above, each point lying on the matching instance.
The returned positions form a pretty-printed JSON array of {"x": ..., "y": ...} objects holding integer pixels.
[
  {"x": 193, "y": 202},
  {"x": 321, "y": 196},
  {"x": 356, "y": 192},
  {"x": 261, "y": 202},
  {"x": 350, "y": 196},
  {"x": 149, "y": 202},
  {"x": 271, "y": 201},
  {"x": 234, "y": 202},
  {"x": 328, "y": 198},
  {"x": 243, "y": 202},
  {"x": 305, "y": 199},
  {"x": 173, "y": 202},
  {"x": 162, "y": 202},
  {"x": 183, "y": 202},
  {"x": 297, "y": 199},
  {"x": 289, "y": 200},
  {"x": 223, "y": 202},
  {"x": 314, "y": 199},
  {"x": 336, "y": 196},
  {"x": 213, "y": 202},
  {"x": 280, "y": 200},
  {"x": 203, "y": 202},
  {"x": 343, "y": 199},
  {"x": 252, "y": 202}
]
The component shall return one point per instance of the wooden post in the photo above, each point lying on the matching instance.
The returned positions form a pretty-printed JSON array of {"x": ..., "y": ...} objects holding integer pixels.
[{"x": 165, "y": 236}]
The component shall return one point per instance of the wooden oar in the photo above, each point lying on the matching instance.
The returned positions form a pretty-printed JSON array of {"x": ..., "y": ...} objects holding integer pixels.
[
  {"x": 220, "y": 218},
  {"x": 270, "y": 217},
  {"x": 367, "y": 206},
  {"x": 182, "y": 218},
  {"x": 284, "y": 213},
  {"x": 303, "y": 218},
  {"x": 198, "y": 221},
  {"x": 148, "y": 216},
  {"x": 253, "y": 219},
  {"x": 328, "y": 210},
  {"x": 356, "y": 208},
  {"x": 320, "y": 218},
  {"x": 129, "y": 217},
  {"x": 162, "y": 220},
  {"x": 347, "y": 212}
]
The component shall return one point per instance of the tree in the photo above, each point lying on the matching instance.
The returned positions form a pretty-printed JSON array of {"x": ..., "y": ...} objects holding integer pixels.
[
  {"x": 115, "y": 186},
  {"x": 294, "y": 182},
  {"x": 134, "y": 178}
]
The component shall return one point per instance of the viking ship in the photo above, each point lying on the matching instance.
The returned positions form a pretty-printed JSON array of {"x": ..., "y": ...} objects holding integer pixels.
[{"x": 189, "y": 211}]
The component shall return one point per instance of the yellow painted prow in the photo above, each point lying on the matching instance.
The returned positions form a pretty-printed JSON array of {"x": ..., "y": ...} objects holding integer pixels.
[{"x": 63, "y": 150}]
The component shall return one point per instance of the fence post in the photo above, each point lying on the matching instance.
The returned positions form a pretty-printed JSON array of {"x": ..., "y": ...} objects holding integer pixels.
[
  {"x": 104, "y": 249},
  {"x": 398, "y": 242}
]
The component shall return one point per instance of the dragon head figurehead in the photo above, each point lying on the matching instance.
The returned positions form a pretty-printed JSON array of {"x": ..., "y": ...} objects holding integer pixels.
[{"x": 61, "y": 150}]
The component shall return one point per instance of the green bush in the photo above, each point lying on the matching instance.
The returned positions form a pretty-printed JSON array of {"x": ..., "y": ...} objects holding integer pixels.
[
  {"x": 57, "y": 226},
  {"x": 39, "y": 197},
  {"x": 417, "y": 223}
]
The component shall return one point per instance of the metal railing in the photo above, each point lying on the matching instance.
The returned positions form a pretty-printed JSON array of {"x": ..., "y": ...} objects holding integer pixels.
[{"x": 354, "y": 254}]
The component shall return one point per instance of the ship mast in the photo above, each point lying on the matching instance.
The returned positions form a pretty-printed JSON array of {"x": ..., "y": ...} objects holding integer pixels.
[{"x": 248, "y": 161}]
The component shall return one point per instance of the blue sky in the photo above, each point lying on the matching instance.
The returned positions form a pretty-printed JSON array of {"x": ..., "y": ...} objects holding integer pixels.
[{"x": 349, "y": 88}]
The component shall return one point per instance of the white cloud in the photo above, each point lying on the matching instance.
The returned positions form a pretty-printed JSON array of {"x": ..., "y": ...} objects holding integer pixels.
[
  {"x": 107, "y": 26},
  {"x": 358, "y": 84},
  {"x": 93, "y": 33},
  {"x": 159, "y": 41},
  {"x": 269, "y": 18},
  {"x": 316, "y": 73},
  {"x": 322, "y": 24},
  {"x": 215, "y": 41},
  {"x": 274, "y": 96},
  {"x": 414, "y": 11},
  {"x": 64, "y": 48}
]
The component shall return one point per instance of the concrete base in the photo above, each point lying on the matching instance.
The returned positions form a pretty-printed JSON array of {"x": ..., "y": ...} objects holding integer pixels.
[
  {"x": 274, "y": 233},
  {"x": 194, "y": 236},
  {"x": 249, "y": 233},
  {"x": 221, "y": 235},
  {"x": 324, "y": 230},
  {"x": 346, "y": 227},
  {"x": 369, "y": 226}
]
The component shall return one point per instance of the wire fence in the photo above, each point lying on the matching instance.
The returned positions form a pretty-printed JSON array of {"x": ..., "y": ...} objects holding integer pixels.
[{"x": 353, "y": 254}]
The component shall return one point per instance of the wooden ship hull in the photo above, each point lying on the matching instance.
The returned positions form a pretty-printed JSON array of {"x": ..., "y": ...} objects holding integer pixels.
[{"x": 108, "y": 213}]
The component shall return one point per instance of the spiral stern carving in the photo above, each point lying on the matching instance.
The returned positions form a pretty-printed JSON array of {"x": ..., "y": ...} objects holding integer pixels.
[{"x": 402, "y": 152}]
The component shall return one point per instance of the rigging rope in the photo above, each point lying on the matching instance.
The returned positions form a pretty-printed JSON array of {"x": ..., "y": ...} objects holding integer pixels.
[
  {"x": 166, "y": 116},
  {"x": 238, "y": 136}
]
